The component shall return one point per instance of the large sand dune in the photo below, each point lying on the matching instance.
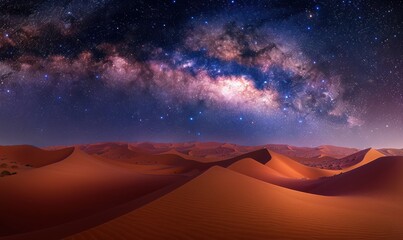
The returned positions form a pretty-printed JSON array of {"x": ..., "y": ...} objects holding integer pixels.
[
  {"x": 381, "y": 178},
  {"x": 69, "y": 190},
  {"x": 222, "y": 204}
]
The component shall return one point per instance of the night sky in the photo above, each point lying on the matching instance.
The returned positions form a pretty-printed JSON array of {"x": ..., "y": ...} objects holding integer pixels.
[{"x": 250, "y": 72}]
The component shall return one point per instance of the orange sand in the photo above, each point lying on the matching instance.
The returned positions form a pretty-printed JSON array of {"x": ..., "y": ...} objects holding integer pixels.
[{"x": 201, "y": 191}]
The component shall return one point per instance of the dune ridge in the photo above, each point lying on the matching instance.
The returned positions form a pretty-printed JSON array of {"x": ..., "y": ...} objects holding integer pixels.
[{"x": 360, "y": 158}]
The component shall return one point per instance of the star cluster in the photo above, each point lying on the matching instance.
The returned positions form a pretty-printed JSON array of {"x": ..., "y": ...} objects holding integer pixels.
[{"x": 250, "y": 72}]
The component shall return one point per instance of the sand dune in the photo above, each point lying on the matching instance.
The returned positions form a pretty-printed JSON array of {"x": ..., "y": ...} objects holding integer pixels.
[
  {"x": 381, "y": 178},
  {"x": 142, "y": 160},
  {"x": 316, "y": 152},
  {"x": 292, "y": 169},
  {"x": 391, "y": 152},
  {"x": 321, "y": 157},
  {"x": 222, "y": 204},
  {"x": 346, "y": 163},
  {"x": 262, "y": 156},
  {"x": 74, "y": 188},
  {"x": 254, "y": 169},
  {"x": 116, "y": 151},
  {"x": 359, "y": 159},
  {"x": 33, "y": 156},
  {"x": 251, "y": 167},
  {"x": 335, "y": 151},
  {"x": 213, "y": 151},
  {"x": 209, "y": 151},
  {"x": 170, "y": 162}
]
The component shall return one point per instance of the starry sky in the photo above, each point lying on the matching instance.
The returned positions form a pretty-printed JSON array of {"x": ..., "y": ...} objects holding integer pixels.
[{"x": 304, "y": 73}]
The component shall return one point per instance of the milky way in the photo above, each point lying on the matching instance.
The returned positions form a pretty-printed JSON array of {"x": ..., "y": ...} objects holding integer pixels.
[{"x": 244, "y": 72}]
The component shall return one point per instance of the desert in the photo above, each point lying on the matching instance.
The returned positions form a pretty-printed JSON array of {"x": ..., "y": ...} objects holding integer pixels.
[{"x": 154, "y": 191}]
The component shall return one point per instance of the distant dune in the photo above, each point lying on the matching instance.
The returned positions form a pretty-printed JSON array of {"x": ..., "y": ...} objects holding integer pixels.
[
  {"x": 359, "y": 159},
  {"x": 292, "y": 169},
  {"x": 200, "y": 191},
  {"x": 391, "y": 152},
  {"x": 346, "y": 163},
  {"x": 32, "y": 156},
  {"x": 316, "y": 152},
  {"x": 214, "y": 151},
  {"x": 17, "y": 159}
]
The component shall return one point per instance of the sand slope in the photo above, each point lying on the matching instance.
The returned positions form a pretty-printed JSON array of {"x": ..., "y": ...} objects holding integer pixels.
[
  {"x": 292, "y": 169},
  {"x": 359, "y": 159},
  {"x": 222, "y": 204},
  {"x": 250, "y": 167},
  {"x": 254, "y": 169},
  {"x": 69, "y": 190},
  {"x": 33, "y": 156},
  {"x": 380, "y": 179}
]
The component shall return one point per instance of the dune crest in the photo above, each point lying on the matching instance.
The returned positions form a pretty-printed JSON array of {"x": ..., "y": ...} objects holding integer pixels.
[
  {"x": 359, "y": 159},
  {"x": 292, "y": 169}
]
